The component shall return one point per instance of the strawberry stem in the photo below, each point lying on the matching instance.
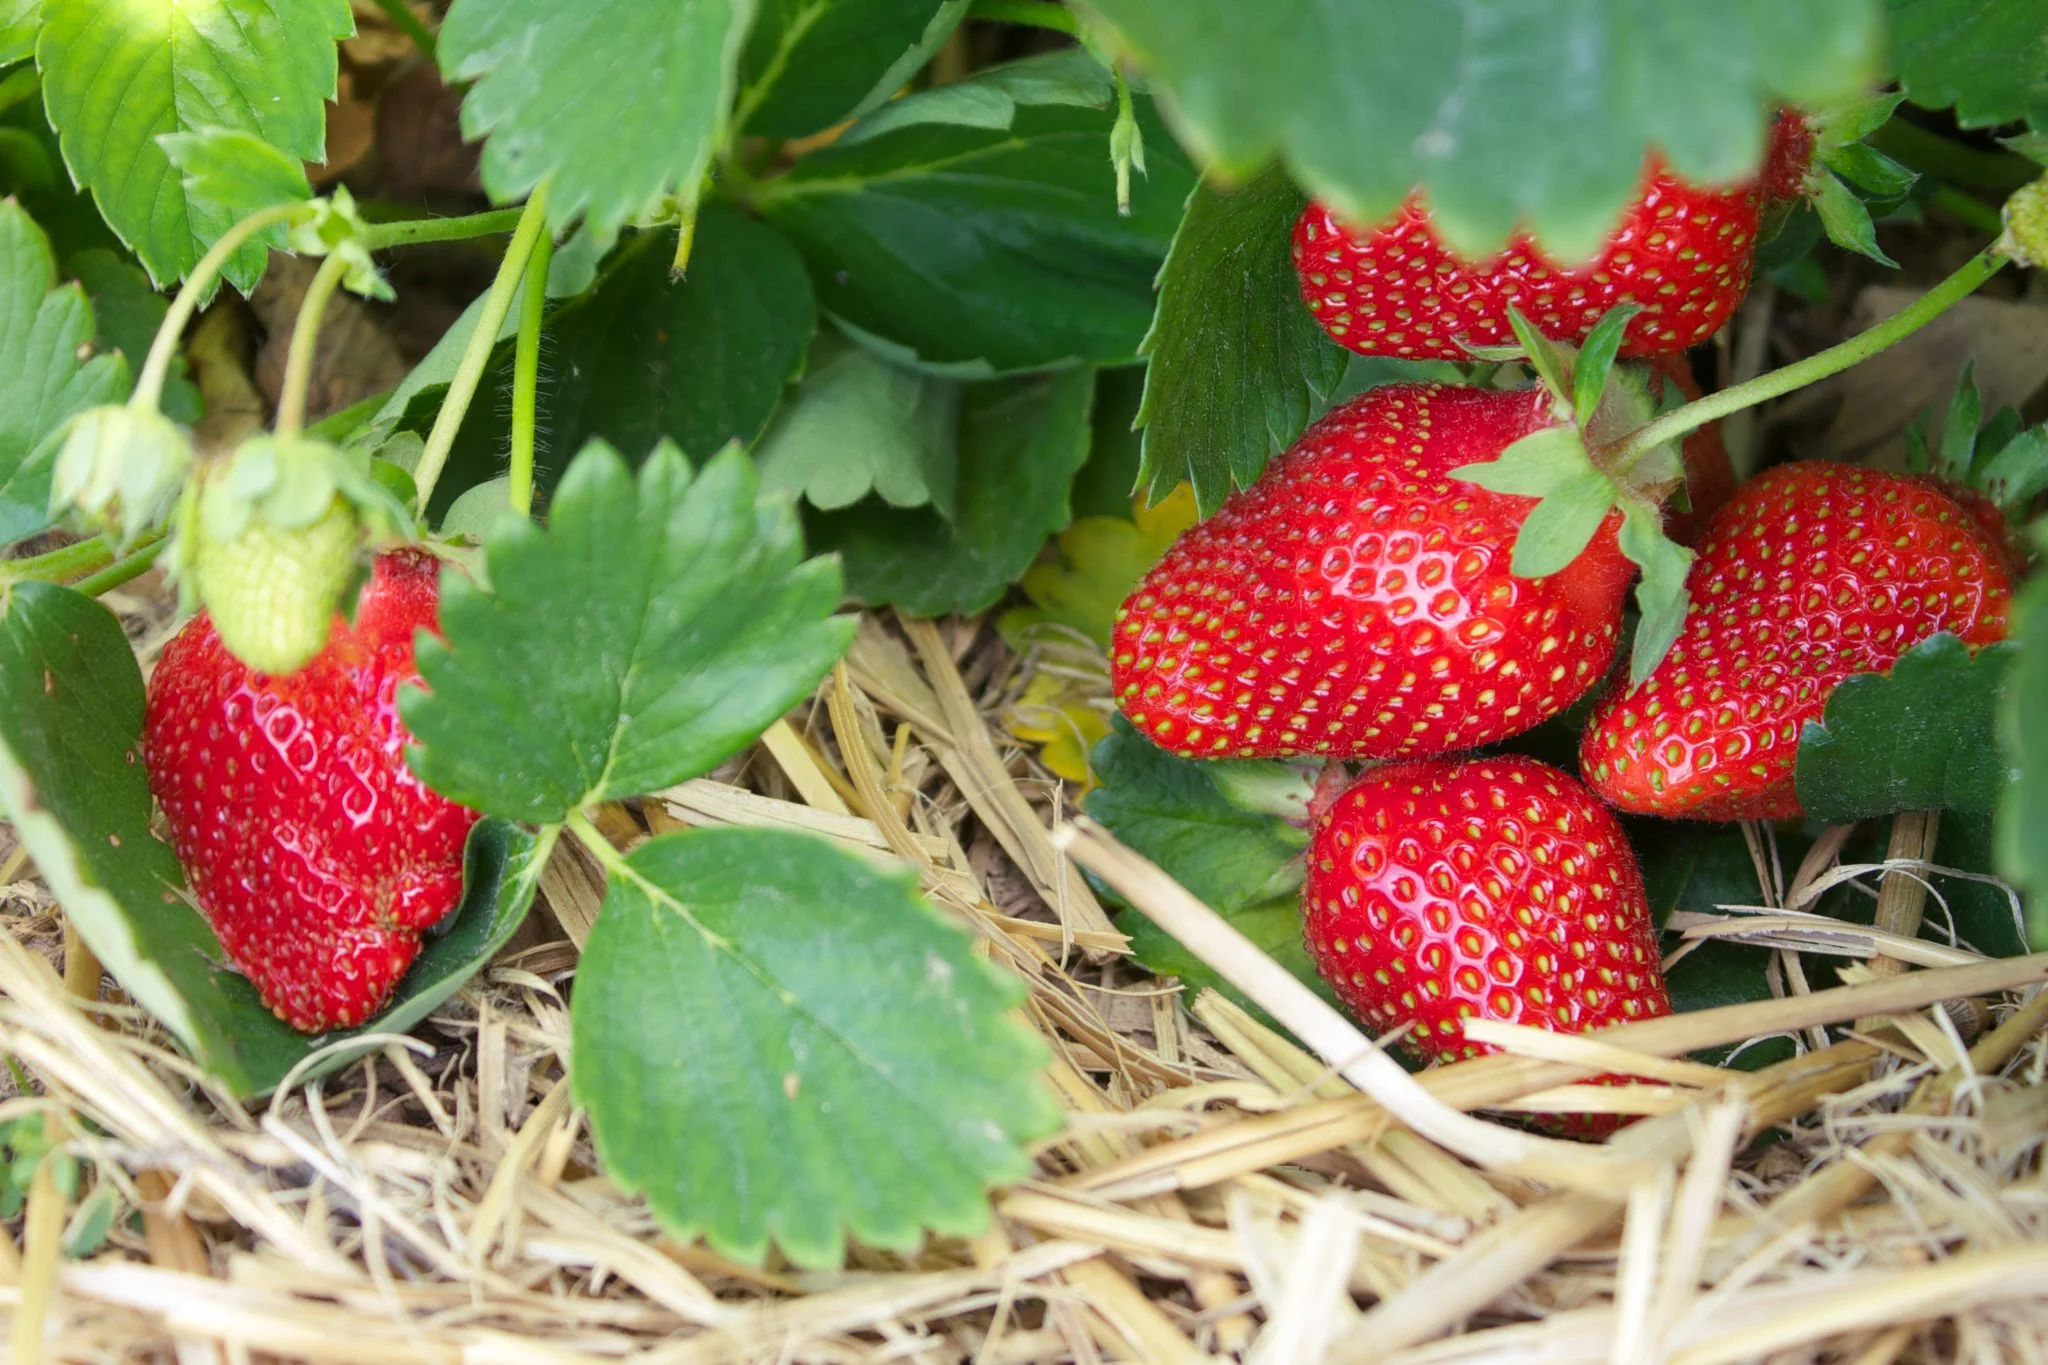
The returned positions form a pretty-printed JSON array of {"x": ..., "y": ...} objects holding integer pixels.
[
  {"x": 526, "y": 375},
  {"x": 130, "y": 566},
  {"x": 64, "y": 562},
  {"x": 298, "y": 364},
  {"x": 149, "y": 387},
  {"x": 413, "y": 231},
  {"x": 608, "y": 857},
  {"x": 469, "y": 371},
  {"x": 1923, "y": 310}
]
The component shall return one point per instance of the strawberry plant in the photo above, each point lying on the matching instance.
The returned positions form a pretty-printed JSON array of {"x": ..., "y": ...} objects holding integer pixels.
[{"x": 1437, "y": 388}]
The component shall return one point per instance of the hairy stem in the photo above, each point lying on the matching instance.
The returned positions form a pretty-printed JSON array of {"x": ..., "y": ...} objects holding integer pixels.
[
  {"x": 1923, "y": 310},
  {"x": 149, "y": 388},
  {"x": 298, "y": 364},
  {"x": 130, "y": 566},
  {"x": 526, "y": 375},
  {"x": 1034, "y": 13},
  {"x": 58, "y": 565},
  {"x": 469, "y": 372},
  {"x": 411, "y": 231}
]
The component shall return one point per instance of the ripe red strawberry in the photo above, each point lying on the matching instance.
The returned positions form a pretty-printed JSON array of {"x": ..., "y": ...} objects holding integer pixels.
[
  {"x": 1451, "y": 889},
  {"x": 313, "y": 851},
  {"x": 1813, "y": 572},
  {"x": 1682, "y": 251},
  {"x": 1357, "y": 600}
]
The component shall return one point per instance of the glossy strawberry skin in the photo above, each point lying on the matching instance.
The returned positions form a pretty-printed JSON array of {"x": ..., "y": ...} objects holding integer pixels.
[
  {"x": 1813, "y": 572},
  {"x": 1357, "y": 600},
  {"x": 1448, "y": 889},
  {"x": 1682, "y": 251},
  {"x": 310, "y": 847}
]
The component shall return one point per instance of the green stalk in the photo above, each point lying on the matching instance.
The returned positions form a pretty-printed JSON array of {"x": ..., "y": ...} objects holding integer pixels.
[
  {"x": 526, "y": 375},
  {"x": 1923, "y": 310},
  {"x": 1032, "y": 13},
  {"x": 469, "y": 372},
  {"x": 149, "y": 388},
  {"x": 1973, "y": 212},
  {"x": 412, "y": 231},
  {"x": 122, "y": 570},
  {"x": 409, "y": 24},
  {"x": 64, "y": 562},
  {"x": 298, "y": 364}
]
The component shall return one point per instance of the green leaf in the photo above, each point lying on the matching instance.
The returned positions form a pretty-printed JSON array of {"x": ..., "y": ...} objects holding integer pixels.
[
  {"x": 1559, "y": 528},
  {"x": 1502, "y": 111},
  {"x": 984, "y": 241},
  {"x": 856, "y": 425},
  {"x": 780, "y": 1043},
  {"x": 810, "y": 63},
  {"x": 1845, "y": 218},
  {"x": 2023, "y": 741},
  {"x": 620, "y": 102},
  {"x": 234, "y": 172},
  {"x": 1246, "y": 866},
  {"x": 20, "y": 21},
  {"x": 1020, "y": 441},
  {"x": 46, "y": 332},
  {"x": 1170, "y": 810},
  {"x": 645, "y": 357},
  {"x": 1237, "y": 363},
  {"x": 1917, "y": 738},
  {"x": 126, "y": 312},
  {"x": 688, "y": 618},
  {"x": 1988, "y": 58},
  {"x": 1099, "y": 561},
  {"x": 1107, "y": 485},
  {"x": 1534, "y": 466},
  {"x": 72, "y": 781},
  {"x": 119, "y": 74},
  {"x": 1595, "y": 360},
  {"x": 1661, "y": 598}
]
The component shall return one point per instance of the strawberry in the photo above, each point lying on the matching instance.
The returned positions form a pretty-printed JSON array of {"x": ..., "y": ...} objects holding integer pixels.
[
  {"x": 1813, "y": 572},
  {"x": 312, "y": 850},
  {"x": 1357, "y": 601},
  {"x": 1447, "y": 889},
  {"x": 1682, "y": 251}
]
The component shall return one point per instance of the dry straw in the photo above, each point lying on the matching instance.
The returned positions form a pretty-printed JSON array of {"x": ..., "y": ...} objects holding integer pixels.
[{"x": 1220, "y": 1188}]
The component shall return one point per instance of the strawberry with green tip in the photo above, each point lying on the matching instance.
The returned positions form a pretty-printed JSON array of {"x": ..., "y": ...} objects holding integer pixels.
[
  {"x": 1682, "y": 253},
  {"x": 1359, "y": 599},
  {"x": 1814, "y": 571},
  {"x": 310, "y": 847},
  {"x": 1445, "y": 890}
]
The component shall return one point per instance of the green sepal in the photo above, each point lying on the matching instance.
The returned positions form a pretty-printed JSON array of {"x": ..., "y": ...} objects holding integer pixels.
[
  {"x": 1958, "y": 451},
  {"x": 1661, "y": 598},
  {"x": 1595, "y": 360},
  {"x": 122, "y": 466},
  {"x": 1845, "y": 217},
  {"x": 1535, "y": 466},
  {"x": 1868, "y": 168},
  {"x": 1551, "y": 361},
  {"x": 1558, "y": 529},
  {"x": 1853, "y": 120}
]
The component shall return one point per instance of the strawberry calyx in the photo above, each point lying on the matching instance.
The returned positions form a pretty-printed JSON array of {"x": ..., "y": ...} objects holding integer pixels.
[
  {"x": 1581, "y": 470},
  {"x": 1819, "y": 156}
]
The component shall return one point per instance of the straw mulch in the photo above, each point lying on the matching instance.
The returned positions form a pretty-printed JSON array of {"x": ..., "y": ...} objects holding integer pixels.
[{"x": 1218, "y": 1190}]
